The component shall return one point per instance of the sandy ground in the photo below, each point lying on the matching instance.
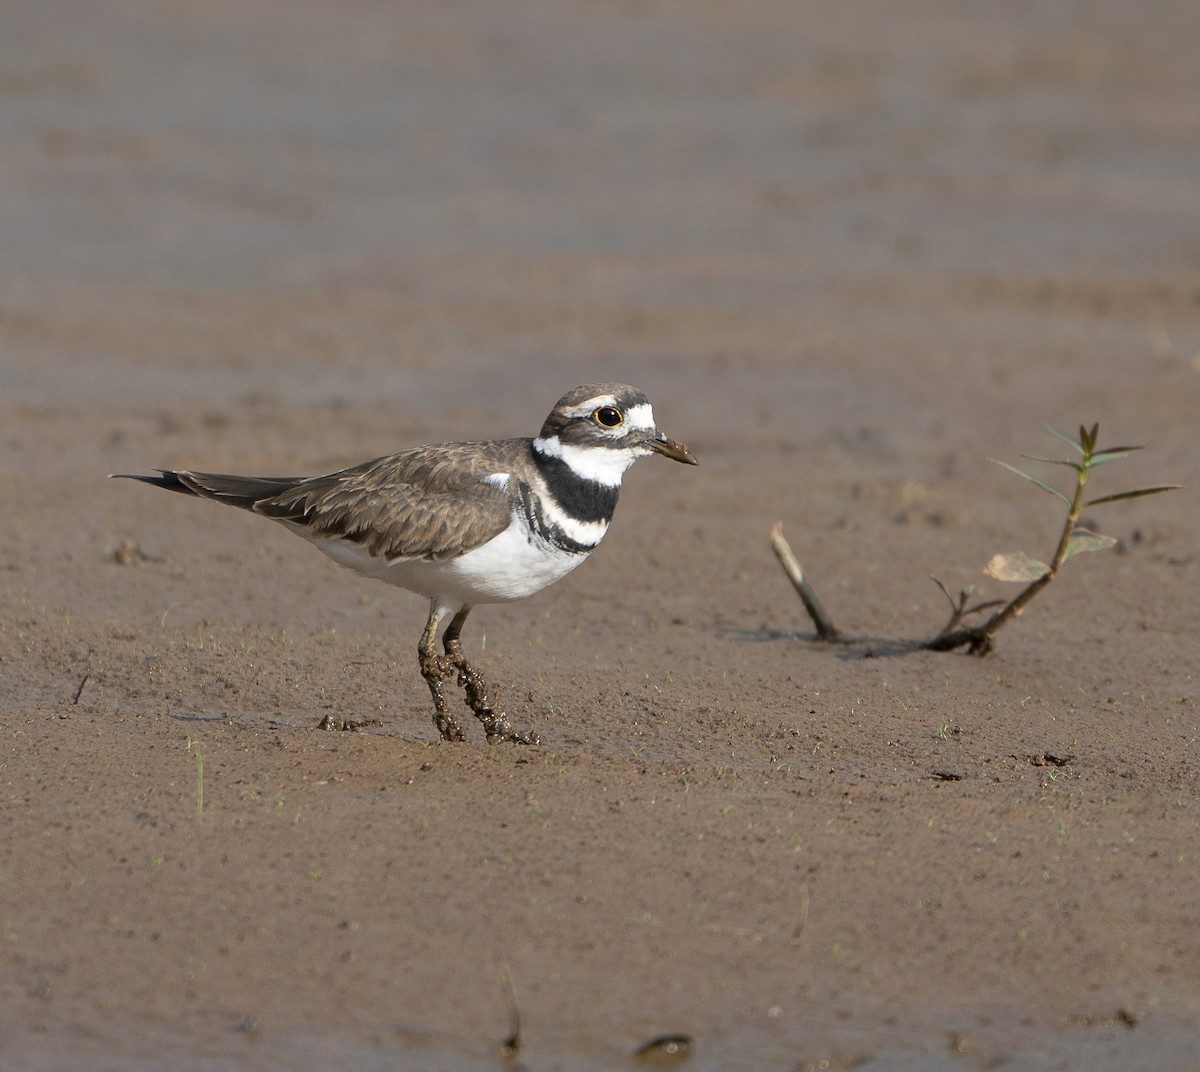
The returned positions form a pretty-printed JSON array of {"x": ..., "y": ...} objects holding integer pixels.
[{"x": 852, "y": 251}]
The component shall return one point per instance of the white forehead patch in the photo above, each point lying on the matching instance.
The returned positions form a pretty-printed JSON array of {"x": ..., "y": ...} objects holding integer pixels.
[{"x": 640, "y": 416}]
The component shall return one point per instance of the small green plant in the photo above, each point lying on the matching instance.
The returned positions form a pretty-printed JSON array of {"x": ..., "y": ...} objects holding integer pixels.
[{"x": 1017, "y": 566}]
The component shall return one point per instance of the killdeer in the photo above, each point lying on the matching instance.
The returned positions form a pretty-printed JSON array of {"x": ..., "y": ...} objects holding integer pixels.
[{"x": 464, "y": 523}]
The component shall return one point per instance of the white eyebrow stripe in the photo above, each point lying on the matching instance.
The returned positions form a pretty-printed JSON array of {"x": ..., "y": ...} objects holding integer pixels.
[
  {"x": 497, "y": 480},
  {"x": 585, "y": 408}
]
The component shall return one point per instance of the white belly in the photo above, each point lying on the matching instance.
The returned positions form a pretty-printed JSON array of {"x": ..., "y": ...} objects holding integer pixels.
[{"x": 510, "y": 566}]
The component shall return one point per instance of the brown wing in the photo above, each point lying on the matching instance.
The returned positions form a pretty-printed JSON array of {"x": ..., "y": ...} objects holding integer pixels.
[{"x": 422, "y": 503}]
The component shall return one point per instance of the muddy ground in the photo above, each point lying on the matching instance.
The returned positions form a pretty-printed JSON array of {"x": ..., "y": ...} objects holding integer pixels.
[{"x": 852, "y": 252}]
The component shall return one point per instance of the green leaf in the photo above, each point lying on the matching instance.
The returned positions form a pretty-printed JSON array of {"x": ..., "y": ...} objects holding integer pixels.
[
  {"x": 1033, "y": 480},
  {"x": 1015, "y": 566},
  {"x": 1105, "y": 456},
  {"x": 1077, "y": 466},
  {"x": 1064, "y": 437},
  {"x": 1111, "y": 454},
  {"x": 1084, "y": 540},
  {"x": 945, "y": 590},
  {"x": 1132, "y": 494}
]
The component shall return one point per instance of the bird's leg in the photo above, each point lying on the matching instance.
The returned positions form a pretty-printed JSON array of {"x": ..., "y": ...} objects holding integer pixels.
[
  {"x": 436, "y": 669},
  {"x": 495, "y": 721}
]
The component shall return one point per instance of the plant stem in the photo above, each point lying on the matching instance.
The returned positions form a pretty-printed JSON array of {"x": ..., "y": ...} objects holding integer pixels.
[
  {"x": 979, "y": 637},
  {"x": 826, "y": 630}
]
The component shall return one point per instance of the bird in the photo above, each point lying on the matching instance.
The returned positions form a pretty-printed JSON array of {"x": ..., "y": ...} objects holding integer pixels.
[{"x": 463, "y": 523}]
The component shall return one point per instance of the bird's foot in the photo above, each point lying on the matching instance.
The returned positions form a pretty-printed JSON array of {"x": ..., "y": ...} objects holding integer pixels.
[
  {"x": 502, "y": 731},
  {"x": 437, "y": 670},
  {"x": 448, "y": 727},
  {"x": 446, "y": 723},
  {"x": 494, "y": 721}
]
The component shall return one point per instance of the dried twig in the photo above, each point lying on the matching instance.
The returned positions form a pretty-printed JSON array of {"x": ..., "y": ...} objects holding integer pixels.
[{"x": 816, "y": 611}]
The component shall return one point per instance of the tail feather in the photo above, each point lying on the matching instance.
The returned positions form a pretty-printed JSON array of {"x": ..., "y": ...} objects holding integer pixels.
[{"x": 240, "y": 491}]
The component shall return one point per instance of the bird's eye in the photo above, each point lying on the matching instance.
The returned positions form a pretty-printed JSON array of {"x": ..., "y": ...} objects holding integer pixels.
[{"x": 608, "y": 417}]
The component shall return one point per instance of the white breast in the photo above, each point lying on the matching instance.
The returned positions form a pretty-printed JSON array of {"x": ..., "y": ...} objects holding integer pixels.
[{"x": 510, "y": 566}]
